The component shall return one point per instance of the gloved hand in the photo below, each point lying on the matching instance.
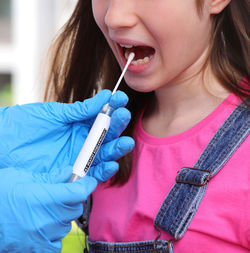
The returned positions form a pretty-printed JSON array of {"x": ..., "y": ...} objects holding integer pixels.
[
  {"x": 37, "y": 208},
  {"x": 50, "y": 135}
]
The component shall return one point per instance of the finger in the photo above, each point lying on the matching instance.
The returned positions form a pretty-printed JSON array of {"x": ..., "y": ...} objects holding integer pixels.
[
  {"x": 73, "y": 193},
  {"x": 119, "y": 121},
  {"x": 119, "y": 99},
  {"x": 60, "y": 232},
  {"x": 78, "y": 111},
  {"x": 57, "y": 244},
  {"x": 114, "y": 150},
  {"x": 66, "y": 213},
  {"x": 103, "y": 171}
]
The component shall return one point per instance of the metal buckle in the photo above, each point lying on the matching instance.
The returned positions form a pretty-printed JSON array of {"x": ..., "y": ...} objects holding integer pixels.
[
  {"x": 169, "y": 241},
  {"x": 190, "y": 183}
]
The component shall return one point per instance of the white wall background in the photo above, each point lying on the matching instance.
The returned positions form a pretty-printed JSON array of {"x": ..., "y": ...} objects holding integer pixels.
[{"x": 34, "y": 24}]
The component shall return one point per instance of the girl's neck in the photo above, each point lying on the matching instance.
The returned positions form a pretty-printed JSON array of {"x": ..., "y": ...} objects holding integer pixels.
[{"x": 178, "y": 106}]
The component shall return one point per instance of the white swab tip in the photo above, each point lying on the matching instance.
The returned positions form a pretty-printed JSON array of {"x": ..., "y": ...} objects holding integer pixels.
[{"x": 131, "y": 56}]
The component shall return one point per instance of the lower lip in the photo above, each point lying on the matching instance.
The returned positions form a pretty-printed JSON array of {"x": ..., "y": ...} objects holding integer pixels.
[{"x": 135, "y": 68}]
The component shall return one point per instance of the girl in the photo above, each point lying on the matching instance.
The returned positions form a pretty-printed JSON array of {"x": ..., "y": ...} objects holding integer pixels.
[{"x": 191, "y": 70}]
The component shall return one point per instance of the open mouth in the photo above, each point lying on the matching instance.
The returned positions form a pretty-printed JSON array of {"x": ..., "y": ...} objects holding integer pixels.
[{"x": 143, "y": 54}]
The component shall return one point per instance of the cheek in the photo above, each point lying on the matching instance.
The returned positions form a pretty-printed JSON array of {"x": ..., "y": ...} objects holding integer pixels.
[{"x": 182, "y": 34}]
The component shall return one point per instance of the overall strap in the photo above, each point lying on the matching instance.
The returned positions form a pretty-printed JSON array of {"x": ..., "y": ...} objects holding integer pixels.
[{"x": 183, "y": 200}]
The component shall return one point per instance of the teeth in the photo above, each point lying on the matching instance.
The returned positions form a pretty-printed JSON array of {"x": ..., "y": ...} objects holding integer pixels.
[
  {"x": 139, "y": 61},
  {"x": 126, "y": 46}
]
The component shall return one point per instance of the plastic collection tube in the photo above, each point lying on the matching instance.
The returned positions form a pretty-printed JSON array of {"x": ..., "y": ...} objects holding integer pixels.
[{"x": 96, "y": 135}]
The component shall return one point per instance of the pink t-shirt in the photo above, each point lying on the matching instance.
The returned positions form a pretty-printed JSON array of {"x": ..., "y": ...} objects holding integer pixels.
[{"x": 222, "y": 222}]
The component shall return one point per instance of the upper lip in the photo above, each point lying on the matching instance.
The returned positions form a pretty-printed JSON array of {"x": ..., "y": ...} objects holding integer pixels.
[{"x": 124, "y": 41}]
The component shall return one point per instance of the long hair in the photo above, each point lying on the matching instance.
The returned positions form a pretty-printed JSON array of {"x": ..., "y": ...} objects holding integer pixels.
[{"x": 82, "y": 62}]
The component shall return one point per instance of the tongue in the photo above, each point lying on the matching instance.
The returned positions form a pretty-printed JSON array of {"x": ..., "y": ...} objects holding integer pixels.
[{"x": 142, "y": 52}]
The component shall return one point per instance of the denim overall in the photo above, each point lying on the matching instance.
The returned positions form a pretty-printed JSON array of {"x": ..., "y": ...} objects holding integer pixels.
[{"x": 183, "y": 200}]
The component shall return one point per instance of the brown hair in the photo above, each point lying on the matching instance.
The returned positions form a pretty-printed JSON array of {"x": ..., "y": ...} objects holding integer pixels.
[{"x": 82, "y": 61}]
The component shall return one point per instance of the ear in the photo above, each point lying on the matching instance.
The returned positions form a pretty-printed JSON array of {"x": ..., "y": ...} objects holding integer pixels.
[{"x": 217, "y": 6}]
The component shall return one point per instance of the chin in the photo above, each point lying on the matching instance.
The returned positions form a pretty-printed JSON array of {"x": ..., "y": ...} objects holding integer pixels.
[
  {"x": 142, "y": 87},
  {"x": 143, "y": 84}
]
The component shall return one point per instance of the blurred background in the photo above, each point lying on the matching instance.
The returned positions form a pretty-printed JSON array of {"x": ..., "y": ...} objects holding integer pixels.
[{"x": 27, "y": 28}]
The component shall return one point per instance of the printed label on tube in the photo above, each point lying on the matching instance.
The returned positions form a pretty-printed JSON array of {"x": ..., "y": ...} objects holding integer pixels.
[
  {"x": 91, "y": 145},
  {"x": 95, "y": 151}
]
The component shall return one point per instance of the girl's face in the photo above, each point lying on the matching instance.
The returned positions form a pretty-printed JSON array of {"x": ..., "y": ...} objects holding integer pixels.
[{"x": 169, "y": 37}]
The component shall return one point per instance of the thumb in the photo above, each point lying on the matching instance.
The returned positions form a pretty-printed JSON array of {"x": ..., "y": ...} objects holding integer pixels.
[
  {"x": 56, "y": 175},
  {"x": 72, "y": 193},
  {"x": 60, "y": 175},
  {"x": 78, "y": 111}
]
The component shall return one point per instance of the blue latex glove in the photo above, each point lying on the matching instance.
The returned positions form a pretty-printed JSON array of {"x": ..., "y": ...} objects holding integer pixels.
[
  {"x": 50, "y": 135},
  {"x": 37, "y": 208}
]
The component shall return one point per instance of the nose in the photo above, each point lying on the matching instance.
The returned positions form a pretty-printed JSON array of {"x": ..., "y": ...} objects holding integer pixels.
[{"x": 120, "y": 14}]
